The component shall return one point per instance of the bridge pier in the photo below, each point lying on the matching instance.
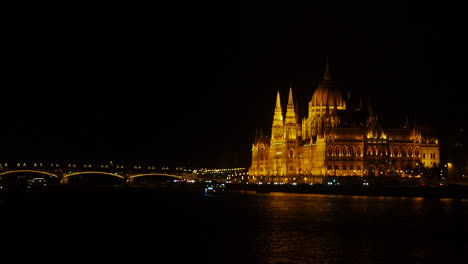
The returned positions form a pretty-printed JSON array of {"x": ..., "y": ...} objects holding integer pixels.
[
  {"x": 64, "y": 180},
  {"x": 130, "y": 180}
]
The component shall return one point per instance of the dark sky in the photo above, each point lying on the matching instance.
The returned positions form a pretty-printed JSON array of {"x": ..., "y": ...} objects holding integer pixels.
[{"x": 189, "y": 84}]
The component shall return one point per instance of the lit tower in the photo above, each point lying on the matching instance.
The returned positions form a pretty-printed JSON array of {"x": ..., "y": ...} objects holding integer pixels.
[
  {"x": 291, "y": 129},
  {"x": 277, "y": 141},
  {"x": 260, "y": 152},
  {"x": 290, "y": 125},
  {"x": 277, "y": 130}
]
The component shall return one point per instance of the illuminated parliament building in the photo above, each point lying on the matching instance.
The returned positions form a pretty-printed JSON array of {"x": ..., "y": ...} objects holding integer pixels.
[{"x": 336, "y": 140}]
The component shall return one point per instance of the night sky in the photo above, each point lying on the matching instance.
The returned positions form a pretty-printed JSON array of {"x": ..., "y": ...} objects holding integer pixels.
[{"x": 189, "y": 84}]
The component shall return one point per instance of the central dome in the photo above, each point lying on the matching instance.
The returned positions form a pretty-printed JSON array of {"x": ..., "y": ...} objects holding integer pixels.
[{"x": 327, "y": 93}]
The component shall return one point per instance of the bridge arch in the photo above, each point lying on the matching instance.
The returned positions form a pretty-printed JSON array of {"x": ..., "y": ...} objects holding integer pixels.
[
  {"x": 150, "y": 178},
  {"x": 21, "y": 178},
  {"x": 85, "y": 177},
  {"x": 28, "y": 171}
]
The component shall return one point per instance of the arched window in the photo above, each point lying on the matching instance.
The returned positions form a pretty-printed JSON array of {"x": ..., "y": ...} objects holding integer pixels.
[
  {"x": 410, "y": 152},
  {"x": 403, "y": 152},
  {"x": 337, "y": 151},
  {"x": 345, "y": 152},
  {"x": 369, "y": 151},
  {"x": 291, "y": 153},
  {"x": 395, "y": 152},
  {"x": 330, "y": 151},
  {"x": 416, "y": 152},
  {"x": 358, "y": 151},
  {"x": 351, "y": 151}
]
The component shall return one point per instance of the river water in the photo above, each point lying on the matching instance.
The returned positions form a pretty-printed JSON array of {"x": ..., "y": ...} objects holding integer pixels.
[{"x": 236, "y": 227}]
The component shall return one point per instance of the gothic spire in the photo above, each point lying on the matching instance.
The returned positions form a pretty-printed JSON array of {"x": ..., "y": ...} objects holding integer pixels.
[
  {"x": 290, "y": 99},
  {"x": 261, "y": 135},
  {"x": 278, "y": 102},
  {"x": 278, "y": 116},
  {"x": 277, "y": 127},
  {"x": 290, "y": 112}
]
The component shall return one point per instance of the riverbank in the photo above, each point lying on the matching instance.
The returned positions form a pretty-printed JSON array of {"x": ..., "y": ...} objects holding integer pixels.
[
  {"x": 151, "y": 192},
  {"x": 445, "y": 191}
]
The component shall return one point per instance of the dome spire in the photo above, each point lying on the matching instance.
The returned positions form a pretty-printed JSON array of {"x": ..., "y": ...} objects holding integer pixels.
[{"x": 327, "y": 75}]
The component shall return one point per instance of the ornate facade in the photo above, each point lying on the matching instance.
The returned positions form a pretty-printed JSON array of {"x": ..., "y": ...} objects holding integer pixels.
[{"x": 337, "y": 140}]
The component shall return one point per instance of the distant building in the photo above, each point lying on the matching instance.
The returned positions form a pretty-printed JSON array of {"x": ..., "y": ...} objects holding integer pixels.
[
  {"x": 457, "y": 154},
  {"x": 335, "y": 139}
]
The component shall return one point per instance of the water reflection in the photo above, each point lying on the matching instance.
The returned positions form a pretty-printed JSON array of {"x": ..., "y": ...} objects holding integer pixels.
[
  {"x": 242, "y": 227},
  {"x": 314, "y": 228}
]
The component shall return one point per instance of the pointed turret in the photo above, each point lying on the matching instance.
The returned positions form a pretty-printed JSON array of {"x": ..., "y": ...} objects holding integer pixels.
[
  {"x": 290, "y": 112},
  {"x": 406, "y": 124},
  {"x": 255, "y": 141},
  {"x": 278, "y": 115},
  {"x": 277, "y": 127},
  {"x": 291, "y": 126},
  {"x": 290, "y": 98},
  {"x": 260, "y": 138}
]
